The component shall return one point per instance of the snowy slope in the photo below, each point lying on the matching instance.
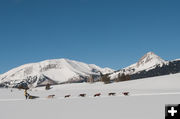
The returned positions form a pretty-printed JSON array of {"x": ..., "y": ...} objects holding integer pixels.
[
  {"x": 147, "y": 62},
  {"x": 167, "y": 82},
  {"x": 148, "y": 86},
  {"x": 132, "y": 107},
  {"x": 60, "y": 70},
  {"x": 155, "y": 85},
  {"x": 150, "y": 94}
]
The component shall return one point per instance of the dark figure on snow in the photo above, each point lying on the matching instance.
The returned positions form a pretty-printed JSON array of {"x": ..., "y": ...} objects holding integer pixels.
[
  {"x": 126, "y": 93},
  {"x": 66, "y": 96},
  {"x": 26, "y": 94},
  {"x": 98, "y": 94},
  {"x": 82, "y": 95},
  {"x": 113, "y": 94},
  {"x": 48, "y": 86}
]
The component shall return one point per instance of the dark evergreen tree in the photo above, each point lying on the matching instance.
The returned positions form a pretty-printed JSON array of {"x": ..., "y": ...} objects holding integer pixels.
[
  {"x": 105, "y": 78},
  {"x": 122, "y": 77}
]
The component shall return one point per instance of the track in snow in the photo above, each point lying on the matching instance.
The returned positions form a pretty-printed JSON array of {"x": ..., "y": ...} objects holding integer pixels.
[{"x": 62, "y": 98}]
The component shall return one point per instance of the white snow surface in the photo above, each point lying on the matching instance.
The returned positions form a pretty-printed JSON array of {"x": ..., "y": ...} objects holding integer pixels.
[
  {"x": 58, "y": 69},
  {"x": 146, "y": 100}
]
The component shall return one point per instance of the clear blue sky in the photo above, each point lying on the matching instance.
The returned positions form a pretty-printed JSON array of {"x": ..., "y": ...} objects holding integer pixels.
[{"x": 108, "y": 33}]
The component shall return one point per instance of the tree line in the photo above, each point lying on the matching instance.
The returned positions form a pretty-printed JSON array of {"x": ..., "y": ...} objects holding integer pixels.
[{"x": 121, "y": 77}]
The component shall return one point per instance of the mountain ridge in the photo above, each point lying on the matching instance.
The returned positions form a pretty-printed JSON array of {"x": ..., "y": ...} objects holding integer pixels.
[
  {"x": 59, "y": 70},
  {"x": 149, "y": 65},
  {"x": 70, "y": 71}
]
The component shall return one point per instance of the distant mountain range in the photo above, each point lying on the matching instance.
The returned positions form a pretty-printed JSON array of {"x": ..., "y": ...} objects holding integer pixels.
[{"x": 60, "y": 71}]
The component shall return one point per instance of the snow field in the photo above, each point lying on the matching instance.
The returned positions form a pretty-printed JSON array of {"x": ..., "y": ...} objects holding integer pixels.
[{"x": 146, "y": 101}]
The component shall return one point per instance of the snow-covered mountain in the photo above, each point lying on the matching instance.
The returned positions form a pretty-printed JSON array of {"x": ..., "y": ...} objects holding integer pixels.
[
  {"x": 147, "y": 62},
  {"x": 170, "y": 67},
  {"x": 149, "y": 65},
  {"x": 58, "y": 70},
  {"x": 68, "y": 71}
]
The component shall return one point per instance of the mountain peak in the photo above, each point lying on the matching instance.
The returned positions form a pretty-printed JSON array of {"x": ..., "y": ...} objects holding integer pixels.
[
  {"x": 151, "y": 54},
  {"x": 150, "y": 58},
  {"x": 148, "y": 61}
]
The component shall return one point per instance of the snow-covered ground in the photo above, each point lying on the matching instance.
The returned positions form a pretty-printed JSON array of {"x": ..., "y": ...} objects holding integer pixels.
[{"x": 147, "y": 100}]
